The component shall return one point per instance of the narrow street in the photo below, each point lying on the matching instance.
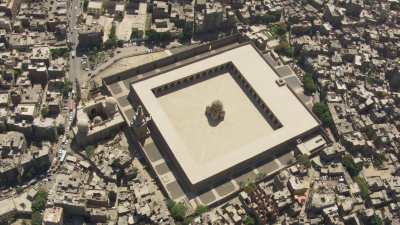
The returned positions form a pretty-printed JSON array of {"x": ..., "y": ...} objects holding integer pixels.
[{"x": 73, "y": 15}]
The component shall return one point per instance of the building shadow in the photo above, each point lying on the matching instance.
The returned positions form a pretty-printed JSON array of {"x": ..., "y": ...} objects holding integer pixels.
[{"x": 211, "y": 121}]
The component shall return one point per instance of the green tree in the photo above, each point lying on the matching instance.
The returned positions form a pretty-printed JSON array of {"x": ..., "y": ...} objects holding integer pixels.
[
  {"x": 157, "y": 37},
  {"x": 249, "y": 220},
  {"x": 379, "y": 158},
  {"x": 85, "y": 5},
  {"x": 44, "y": 111},
  {"x": 260, "y": 176},
  {"x": 200, "y": 210},
  {"x": 376, "y": 220},
  {"x": 322, "y": 111},
  {"x": 309, "y": 84},
  {"x": 351, "y": 166},
  {"x": 177, "y": 209},
  {"x": 112, "y": 41},
  {"x": 284, "y": 48},
  {"x": 279, "y": 29},
  {"x": 60, "y": 128},
  {"x": 135, "y": 34},
  {"x": 78, "y": 90},
  {"x": 152, "y": 36},
  {"x": 19, "y": 190},
  {"x": 394, "y": 5},
  {"x": 363, "y": 185},
  {"x": 165, "y": 36},
  {"x": 186, "y": 35},
  {"x": 66, "y": 87},
  {"x": 249, "y": 187},
  {"x": 37, "y": 218},
  {"x": 269, "y": 18},
  {"x": 59, "y": 52},
  {"x": 17, "y": 74},
  {"x": 187, "y": 221},
  {"x": 39, "y": 202},
  {"x": 113, "y": 32},
  {"x": 304, "y": 160},
  {"x": 90, "y": 150}
]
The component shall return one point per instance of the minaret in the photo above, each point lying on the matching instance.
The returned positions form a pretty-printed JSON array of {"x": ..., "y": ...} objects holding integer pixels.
[{"x": 139, "y": 124}]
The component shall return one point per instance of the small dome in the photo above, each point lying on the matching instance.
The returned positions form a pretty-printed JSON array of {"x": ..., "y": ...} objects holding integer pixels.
[{"x": 97, "y": 120}]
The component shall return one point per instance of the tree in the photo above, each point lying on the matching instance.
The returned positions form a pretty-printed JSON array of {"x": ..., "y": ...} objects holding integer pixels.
[
  {"x": 67, "y": 87},
  {"x": 39, "y": 202},
  {"x": 44, "y": 111},
  {"x": 322, "y": 111},
  {"x": 309, "y": 84},
  {"x": 351, "y": 166},
  {"x": 249, "y": 220},
  {"x": 177, "y": 210},
  {"x": 17, "y": 74},
  {"x": 61, "y": 128},
  {"x": 19, "y": 190},
  {"x": 260, "y": 176},
  {"x": 379, "y": 158},
  {"x": 85, "y": 5},
  {"x": 59, "y": 52},
  {"x": 320, "y": 108},
  {"x": 304, "y": 160},
  {"x": 108, "y": 5},
  {"x": 89, "y": 150},
  {"x": 113, "y": 32},
  {"x": 135, "y": 34},
  {"x": 363, "y": 185},
  {"x": 165, "y": 36},
  {"x": 152, "y": 36},
  {"x": 269, "y": 18},
  {"x": 376, "y": 220},
  {"x": 284, "y": 48},
  {"x": 186, "y": 35},
  {"x": 157, "y": 37},
  {"x": 249, "y": 187},
  {"x": 200, "y": 210},
  {"x": 36, "y": 218},
  {"x": 279, "y": 29},
  {"x": 112, "y": 41},
  {"x": 78, "y": 89},
  {"x": 394, "y": 5}
]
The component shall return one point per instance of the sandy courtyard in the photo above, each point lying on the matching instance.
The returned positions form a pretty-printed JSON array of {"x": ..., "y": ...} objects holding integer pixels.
[{"x": 243, "y": 124}]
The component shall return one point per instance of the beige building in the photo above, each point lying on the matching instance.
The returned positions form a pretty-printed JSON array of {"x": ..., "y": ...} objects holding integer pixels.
[
  {"x": 97, "y": 120},
  {"x": 260, "y": 116},
  {"x": 9, "y": 7},
  {"x": 53, "y": 216},
  {"x": 90, "y": 36},
  {"x": 95, "y": 8}
]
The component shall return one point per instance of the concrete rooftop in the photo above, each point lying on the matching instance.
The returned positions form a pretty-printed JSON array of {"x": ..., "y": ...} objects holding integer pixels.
[{"x": 202, "y": 150}]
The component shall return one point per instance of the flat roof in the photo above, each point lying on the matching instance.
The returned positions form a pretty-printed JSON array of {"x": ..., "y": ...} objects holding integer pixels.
[{"x": 203, "y": 150}]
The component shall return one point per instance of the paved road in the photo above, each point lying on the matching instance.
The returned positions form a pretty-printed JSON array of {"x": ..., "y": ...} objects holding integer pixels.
[{"x": 75, "y": 63}]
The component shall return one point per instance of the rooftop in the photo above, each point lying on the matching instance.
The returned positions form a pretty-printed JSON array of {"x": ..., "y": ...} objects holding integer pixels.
[{"x": 203, "y": 149}]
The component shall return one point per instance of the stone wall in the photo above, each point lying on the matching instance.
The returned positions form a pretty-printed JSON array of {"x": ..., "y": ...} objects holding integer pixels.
[{"x": 170, "y": 59}]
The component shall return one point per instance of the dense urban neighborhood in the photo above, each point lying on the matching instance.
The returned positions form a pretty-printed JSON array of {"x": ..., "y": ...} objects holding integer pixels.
[{"x": 200, "y": 112}]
